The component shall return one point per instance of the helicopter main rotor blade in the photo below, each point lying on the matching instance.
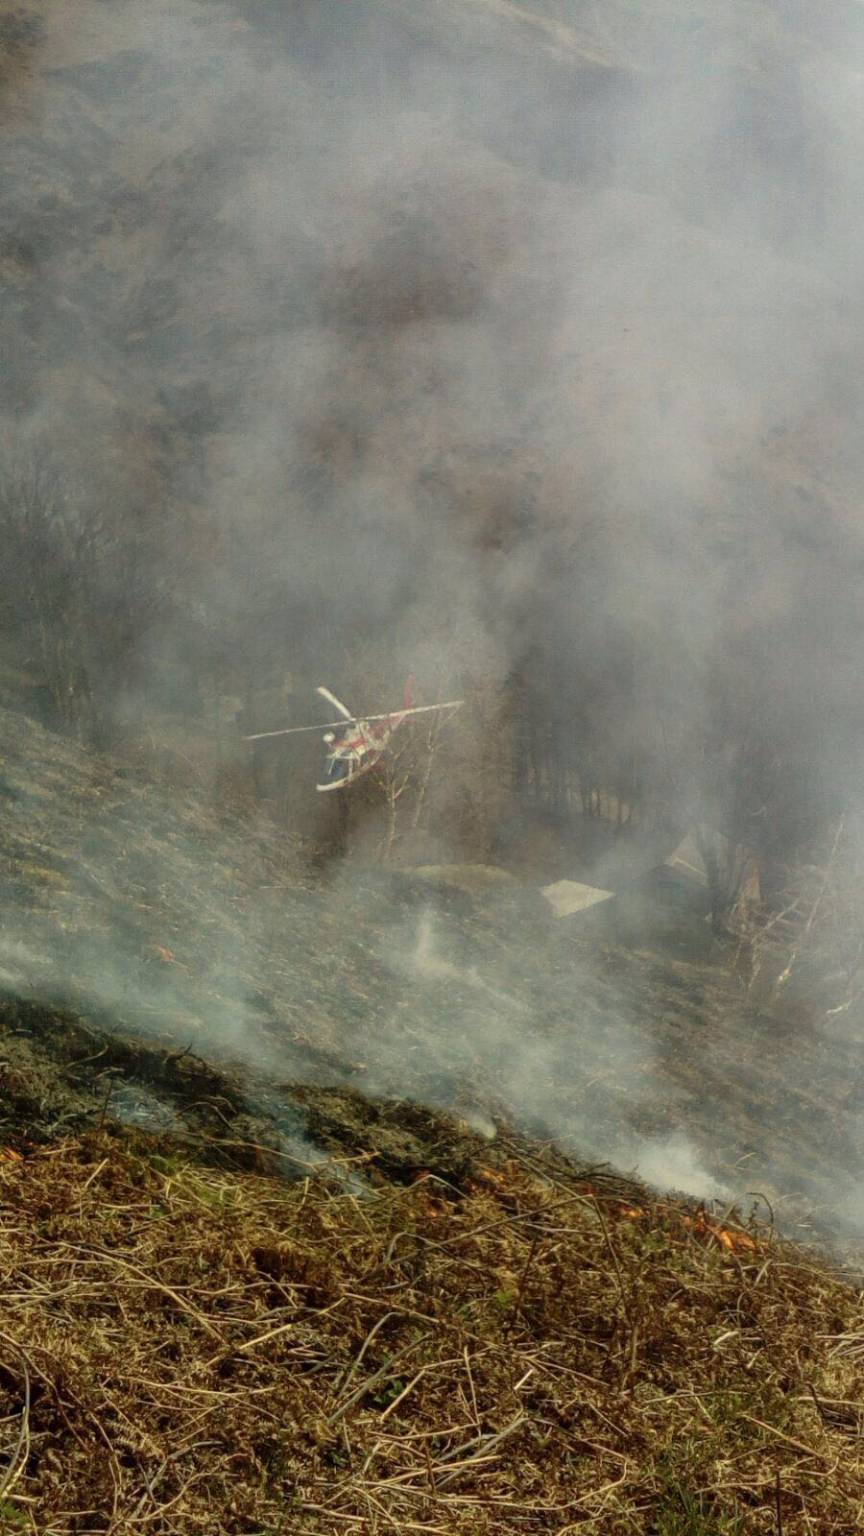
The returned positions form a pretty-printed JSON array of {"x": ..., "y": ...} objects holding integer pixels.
[
  {"x": 393, "y": 714},
  {"x": 337, "y": 703},
  {"x": 295, "y": 730}
]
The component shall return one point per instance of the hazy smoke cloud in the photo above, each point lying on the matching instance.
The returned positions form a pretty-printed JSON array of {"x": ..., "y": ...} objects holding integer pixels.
[{"x": 406, "y": 339}]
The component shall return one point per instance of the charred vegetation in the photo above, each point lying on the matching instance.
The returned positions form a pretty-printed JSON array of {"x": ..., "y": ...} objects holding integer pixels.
[{"x": 511, "y": 348}]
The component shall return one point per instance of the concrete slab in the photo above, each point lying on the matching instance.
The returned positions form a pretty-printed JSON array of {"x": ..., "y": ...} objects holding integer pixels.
[{"x": 568, "y": 897}]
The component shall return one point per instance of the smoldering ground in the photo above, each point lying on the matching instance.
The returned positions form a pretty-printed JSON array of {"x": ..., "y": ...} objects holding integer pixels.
[
  {"x": 390, "y": 341},
  {"x": 146, "y": 913}
]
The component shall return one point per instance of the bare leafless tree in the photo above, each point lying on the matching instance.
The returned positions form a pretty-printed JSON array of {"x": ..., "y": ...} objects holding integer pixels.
[
  {"x": 74, "y": 599},
  {"x": 50, "y": 552},
  {"x": 404, "y": 774},
  {"x": 810, "y": 939}
]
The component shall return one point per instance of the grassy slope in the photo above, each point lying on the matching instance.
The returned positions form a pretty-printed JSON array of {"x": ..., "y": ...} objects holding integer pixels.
[
  {"x": 186, "y": 1351},
  {"x": 582, "y": 1366},
  {"x": 509, "y": 1344},
  {"x": 136, "y": 910}
]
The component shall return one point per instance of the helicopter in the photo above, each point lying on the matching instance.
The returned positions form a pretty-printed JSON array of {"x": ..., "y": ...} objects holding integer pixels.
[{"x": 356, "y": 743}]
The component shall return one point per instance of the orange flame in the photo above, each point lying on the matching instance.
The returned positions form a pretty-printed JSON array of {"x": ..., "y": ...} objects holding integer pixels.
[{"x": 732, "y": 1241}]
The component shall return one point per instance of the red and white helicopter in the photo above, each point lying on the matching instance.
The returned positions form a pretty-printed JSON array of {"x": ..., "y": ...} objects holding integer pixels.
[{"x": 353, "y": 752}]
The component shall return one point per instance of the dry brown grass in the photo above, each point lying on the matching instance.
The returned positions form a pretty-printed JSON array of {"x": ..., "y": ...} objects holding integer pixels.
[{"x": 188, "y": 1351}]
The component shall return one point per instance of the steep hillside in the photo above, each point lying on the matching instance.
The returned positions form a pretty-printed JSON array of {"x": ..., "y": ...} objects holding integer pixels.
[
  {"x": 142, "y": 934},
  {"x": 518, "y": 1350},
  {"x": 511, "y": 348},
  {"x": 428, "y": 309}
]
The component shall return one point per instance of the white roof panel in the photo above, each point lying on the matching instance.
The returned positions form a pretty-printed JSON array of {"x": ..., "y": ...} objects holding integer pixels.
[{"x": 567, "y": 897}]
